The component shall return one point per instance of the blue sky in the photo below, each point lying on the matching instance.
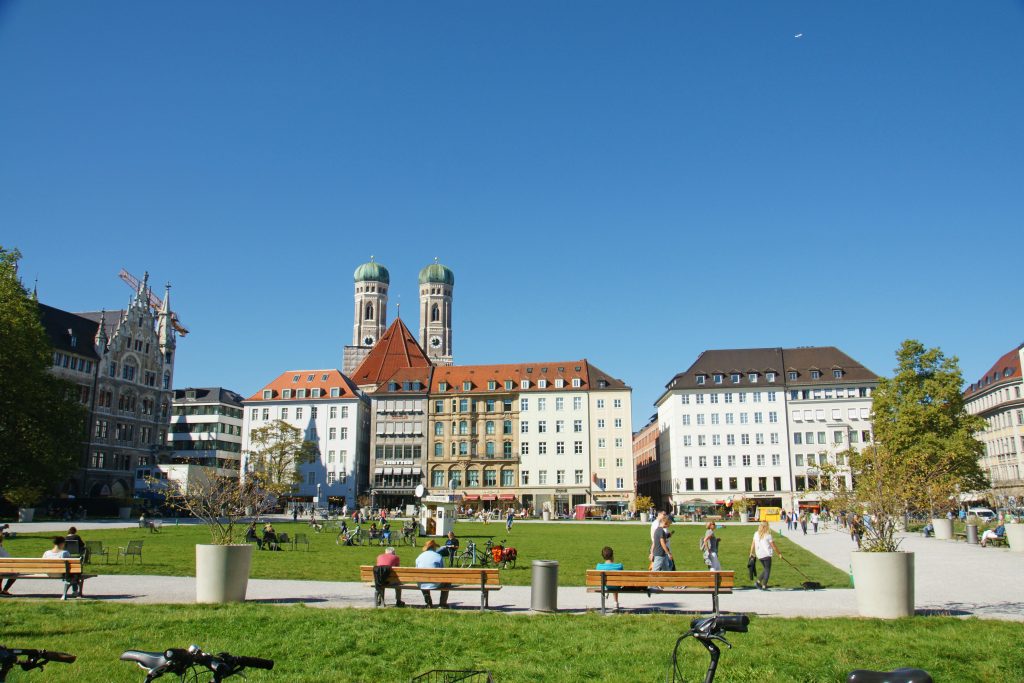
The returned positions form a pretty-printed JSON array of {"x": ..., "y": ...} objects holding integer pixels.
[{"x": 630, "y": 182}]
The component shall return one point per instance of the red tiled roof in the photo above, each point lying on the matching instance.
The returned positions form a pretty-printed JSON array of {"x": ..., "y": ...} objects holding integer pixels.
[
  {"x": 403, "y": 375},
  {"x": 1006, "y": 368},
  {"x": 325, "y": 380},
  {"x": 479, "y": 375},
  {"x": 396, "y": 349}
]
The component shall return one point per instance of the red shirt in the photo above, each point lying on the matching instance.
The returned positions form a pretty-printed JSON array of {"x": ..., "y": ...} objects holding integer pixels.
[{"x": 387, "y": 560}]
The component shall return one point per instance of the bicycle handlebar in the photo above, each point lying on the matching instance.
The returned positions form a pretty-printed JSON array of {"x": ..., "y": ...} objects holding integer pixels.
[
  {"x": 736, "y": 623},
  {"x": 178, "y": 660},
  {"x": 255, "y": 662}
]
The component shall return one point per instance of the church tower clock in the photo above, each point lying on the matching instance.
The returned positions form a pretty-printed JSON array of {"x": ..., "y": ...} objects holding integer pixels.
[{"x": 436, "y": 284}]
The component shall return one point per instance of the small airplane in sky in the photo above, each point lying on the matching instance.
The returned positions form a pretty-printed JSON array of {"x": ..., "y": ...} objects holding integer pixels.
[{"x": 799, "y": 35}]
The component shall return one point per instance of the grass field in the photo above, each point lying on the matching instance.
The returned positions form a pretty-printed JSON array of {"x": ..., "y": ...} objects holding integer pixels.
[
  {"x": 310, "y": 644},
  {"x": 576, "y": 546}
]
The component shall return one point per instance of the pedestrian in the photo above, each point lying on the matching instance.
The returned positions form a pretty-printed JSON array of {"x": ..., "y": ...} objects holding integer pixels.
[
  {"x": 295, "y": 514},
  {"x": 431, "y": 559},
  {"x": 709, "y": 544},
  {"x": 803, "y": 522},
  {"x": 661, "y": 551},
  {"x": 763, "y": 547},
  {"x": 814, "y": 521},
  {"x": 6, "y": 590},
  {"x": 451, "y": 548},
  {"x": 389, "y": 559},
  {"x": 508, "y": 520},
  {"x": 856, "y": 530},
  {"x": 656, "y": 523}
]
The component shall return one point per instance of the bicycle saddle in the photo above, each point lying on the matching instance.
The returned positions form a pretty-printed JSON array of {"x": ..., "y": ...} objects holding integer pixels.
[
  {"x": 147, "y": 660},
  {"x": 897, "y": 676}
]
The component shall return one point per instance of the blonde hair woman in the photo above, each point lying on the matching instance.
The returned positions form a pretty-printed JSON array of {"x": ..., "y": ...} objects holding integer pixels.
[
  {"x": 763, "y": 547},
  {"x": 709, "y": 544}
]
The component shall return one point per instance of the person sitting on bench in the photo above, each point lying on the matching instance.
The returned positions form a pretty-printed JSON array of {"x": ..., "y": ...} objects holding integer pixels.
[
  {"x": 610, "y": 565},
  {"x": 992, "y": 534}
]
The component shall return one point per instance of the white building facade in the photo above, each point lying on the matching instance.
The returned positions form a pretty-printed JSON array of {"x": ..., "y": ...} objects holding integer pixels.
[
  {"x": 206, "y": 429},
  {"x": 998, "y": 397},
  {"x": 332, "y": 414},
  {"x": 736, "y": 425}
]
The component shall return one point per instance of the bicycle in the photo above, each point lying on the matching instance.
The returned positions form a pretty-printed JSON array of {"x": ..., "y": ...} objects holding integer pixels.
[
  {"x": 472, "y": 557},
  {"x": 706, "y": 630},
  {"x": 504, "y": 557},
  {"x": 354, "y": 537},
  {"x": 188, "y": 664},
  {"x": 28, "y": 659},
  {"x": 408, "y": 536}
]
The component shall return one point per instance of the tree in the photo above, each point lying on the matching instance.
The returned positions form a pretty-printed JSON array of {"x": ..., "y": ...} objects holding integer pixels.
[
  {"x": 220, "y": 502},
  {"x": 275, "y": 453},
  {"x": 41, "y": 420},
  {"x": 924, "y": 450}
]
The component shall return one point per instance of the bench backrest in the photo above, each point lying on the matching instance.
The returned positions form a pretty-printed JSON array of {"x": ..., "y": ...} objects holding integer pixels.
[
  {"x": 40, "y": 565},
  {"x": 461, "y": 577},
  {"x": 696, "y": 579},
  {"x": 133, "y": 548}
]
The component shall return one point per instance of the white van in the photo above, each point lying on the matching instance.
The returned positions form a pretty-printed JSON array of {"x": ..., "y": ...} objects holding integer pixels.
[{"x": 984, "y": 513}]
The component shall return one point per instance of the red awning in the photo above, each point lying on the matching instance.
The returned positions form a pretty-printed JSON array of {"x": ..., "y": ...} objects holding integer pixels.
[
  {"x": 468, "y": 497},
  {"x": 488, "y": 496},
  {"x": 506, "y": 496}
]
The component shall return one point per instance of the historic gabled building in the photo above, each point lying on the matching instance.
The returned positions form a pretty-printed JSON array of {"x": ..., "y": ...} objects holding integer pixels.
[
  {"x": 997, "y": 397},
  {"x": 123, "y": 363},
  {"x": 330, "y": 411},
  {"x": 759, "y": 424}
]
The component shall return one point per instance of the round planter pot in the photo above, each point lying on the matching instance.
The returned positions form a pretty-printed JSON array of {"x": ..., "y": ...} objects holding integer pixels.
[
  {"x": 26, "y": 514},
  {"x": 222, "y": 572},
  {"x": 943, "y": 529},
  {"x": 884, "y": 584},
  {"x": 744, "y": 517},
  {"x": 1015, "y": 537},
  {"x": 547, "y": 516}
]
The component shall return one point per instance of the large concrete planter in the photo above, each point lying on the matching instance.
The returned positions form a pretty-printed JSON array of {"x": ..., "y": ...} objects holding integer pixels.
[
  {"x": 1015, "y": 537},
  {"x": 222, "y": 572},
  {"x": 884, "y": 584},
  {"x": 26, "y": 514},
  {"x": 546, "y": 516},
  {"x": 744, "y": 517},
  {"x": 943, "y": 529}
]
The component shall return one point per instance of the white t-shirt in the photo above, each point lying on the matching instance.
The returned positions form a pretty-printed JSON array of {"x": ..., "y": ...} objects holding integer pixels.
[
  {"x": 762, "y": 545},
  {"x": 814, "y": 518},
  {"x": 56, "y": 554}
]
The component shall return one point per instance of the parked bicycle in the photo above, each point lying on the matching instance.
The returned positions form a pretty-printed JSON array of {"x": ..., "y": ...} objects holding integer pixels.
[
  {"x": 192, "y": 663},
  {"x": 706, "y": 630},
  {"x": 409, "y": 536},
  {"x": 504, "y": 557},
  {"x": 472, "y": 557},
  {"x": 28, "y": 659},
  {"x": 354, "y": 536}
]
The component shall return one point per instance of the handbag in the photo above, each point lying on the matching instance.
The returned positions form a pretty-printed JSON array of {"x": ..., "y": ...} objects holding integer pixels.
[{"x": 752, "y": 566}]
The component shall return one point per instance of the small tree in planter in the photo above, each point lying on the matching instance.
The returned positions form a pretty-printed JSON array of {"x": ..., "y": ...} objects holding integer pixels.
[
  {"x": 221, "y": 503},
  {"x": 924, "y": 453},
  {"x": 24, "y": 497},
  {"x": 741, "y": 506}
]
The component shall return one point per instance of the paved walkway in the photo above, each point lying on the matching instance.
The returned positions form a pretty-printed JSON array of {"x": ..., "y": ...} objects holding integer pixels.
[{"x": 952, "y": 578}]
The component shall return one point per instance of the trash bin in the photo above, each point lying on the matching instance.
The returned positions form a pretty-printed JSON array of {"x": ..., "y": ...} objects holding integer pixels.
[
  {"x": 544, "y": 586},
  {"x": 972, "y": 534}
]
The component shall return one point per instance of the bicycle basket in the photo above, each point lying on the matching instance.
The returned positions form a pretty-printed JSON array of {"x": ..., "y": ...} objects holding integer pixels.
[{"x": 453, "y": 676}]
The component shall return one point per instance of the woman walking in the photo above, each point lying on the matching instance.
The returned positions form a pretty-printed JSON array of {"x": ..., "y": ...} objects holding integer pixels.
[
  {"x": 763, "y": 547},
  {"x": 709, "y": 544}
]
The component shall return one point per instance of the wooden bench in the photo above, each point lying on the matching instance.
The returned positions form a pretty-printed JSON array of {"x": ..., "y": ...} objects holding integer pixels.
[
  {"x": 68, "y": 570},
  {"x": 698, "y": 583},
  {"x": 473, "y": 579}
]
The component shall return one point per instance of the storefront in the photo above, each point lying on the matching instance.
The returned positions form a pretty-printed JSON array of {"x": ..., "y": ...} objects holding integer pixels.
[{"x": 614, "y": 503}]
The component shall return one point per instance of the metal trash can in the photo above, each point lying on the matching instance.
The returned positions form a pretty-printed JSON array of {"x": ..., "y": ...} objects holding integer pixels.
[
  {"x": 972, "y": 534},
  {"x": 544, "y": 586}
]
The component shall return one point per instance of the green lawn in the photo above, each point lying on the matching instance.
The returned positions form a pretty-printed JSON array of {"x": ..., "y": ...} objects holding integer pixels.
[
  {"x": 314, "y": 645},
  {"x": 577, "y": 547}
]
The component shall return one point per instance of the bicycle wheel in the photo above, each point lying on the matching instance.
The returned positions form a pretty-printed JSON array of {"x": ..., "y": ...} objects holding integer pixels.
[
  {"x": 509, "y": 563},
  {"x": 465, "y": 560}
]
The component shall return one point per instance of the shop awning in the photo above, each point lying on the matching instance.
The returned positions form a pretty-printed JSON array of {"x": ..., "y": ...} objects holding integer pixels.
[
  {"x": 470, "y": 497},
  {"x": 406, "y": 470},
  {"x": 379, "y": 470},
  {"x": 389, "y": 470},
  {"x": 488, "y": 496},
  {"x": 416, "y": 470},
  {"x": 506, "y": 496}
]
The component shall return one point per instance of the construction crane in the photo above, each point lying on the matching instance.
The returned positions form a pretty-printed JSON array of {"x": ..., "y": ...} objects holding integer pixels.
[{"x": 154, "y": 303}]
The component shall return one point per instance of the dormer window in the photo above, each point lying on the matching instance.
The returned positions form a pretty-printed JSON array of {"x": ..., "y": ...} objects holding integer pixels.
[
  {"x": 467, "y": 385},
  {"x": 335, "y": 392},
  {"x": 559, "y": 383},
  {"x": 576, "y": 382},
  {"x": 542, "y": 384},
  {"x": 301, "y": 393},
  {"x": 752, "y": 377},
  {"x": 815, "y": 374},
  {"x": 509, "y": 385},
  {"x": 442, "y": 386},
  {"x": 791, "y": 375},
  {"x": 525, "y": 384},
  {"x": 392, "y": 386},
  {"x": 267, "y": 393},
  {"x": 602, "y": 384},
  {"x": 315, "y": 392},
  {"x": 309, "y": 378},
  {"x": 735, "y": 377},
  {"x": 491, "y": 385},
  {"x": 287, "y": 393},
  {"x": 838, "y": 374},
  {"x": 191, "y": 394},
  {"x": 717, "y": 377},
  {"x": 295, "y": 378},
  {"x": 769, "y": 376},
  {"x": 701, "y": 378}
]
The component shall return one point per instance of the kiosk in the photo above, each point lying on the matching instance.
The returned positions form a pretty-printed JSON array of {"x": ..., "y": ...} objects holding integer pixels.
[{"x": 437, "y": 514}]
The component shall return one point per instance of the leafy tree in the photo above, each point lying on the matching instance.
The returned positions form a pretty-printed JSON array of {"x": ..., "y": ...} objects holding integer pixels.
[
  {"x": 924, "y": 452},
  {"x": 275, "y": 453},
  {"x": 41, "y": 421},
  {"x": 643, "y": 503}
]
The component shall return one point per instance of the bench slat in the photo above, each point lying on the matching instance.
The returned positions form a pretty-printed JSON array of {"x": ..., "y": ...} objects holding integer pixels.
[
  {"x": 40, "y": 565},
  {"x": 695, "y": 580},
  {"x": 473, "y": 577}
]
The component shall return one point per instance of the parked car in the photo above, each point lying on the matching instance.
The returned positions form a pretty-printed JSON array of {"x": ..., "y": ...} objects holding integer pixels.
[{"x": 983, "y": 513}]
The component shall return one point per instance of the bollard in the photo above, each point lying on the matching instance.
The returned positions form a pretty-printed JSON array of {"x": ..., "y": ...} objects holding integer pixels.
[{"x": 544, "y": 586}]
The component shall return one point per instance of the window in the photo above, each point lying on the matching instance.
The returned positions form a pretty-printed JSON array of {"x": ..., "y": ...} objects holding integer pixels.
[
  {"x": 524, "y": 477},
  {"x": 716, "y": 378},
  {"x": 542, "y": 384},
  {"x": 577, "y": 425},
  {"x": 463, "y": 427},
  {"x": 700, "y": 379},
  {"x": 577, "y": 402},
  {"x": 559, "y": 447},
  {"x": 577, "y": 447},
  {"x": 559, "y": 476},
  {"x": 463, "y": 405},
  {"x": 542, "y": 477},
  {"x": 542, "y": 404},
  {"x": 524, "y": 427},
  {"x": 731, "y": 460},
  {"x": 760, "y": 459},
  {"x": 618, "y": 442},
  {"x": 618, "y": 422},
  {"x": 267, "y": 393},
  {"x": 542, "y": 426},
  {"x": 601, "y": 443},
  {"x": 559, "y": 426},
  {"x": 266, "y": 413},
  {"x": 506, "y": 477},
  {"x": 489, "y": 405},
  {"x": 298, "y": 413},
  {"x": 746, "y": 461},
  {"x": 776, "y": 459},
  {"x": 524, "y": 448},
  {"x": 815, "y": 374},
  {"x": 821, "y": 438},
  {"x": 284, "y": 413},
  {"x": 542, "y": 448},
  {"x": 716, "y": 460},
  {"x": 617, "y": 403},
  {"x": 332, "y": 433},
  {"x": 489, "y": 427},
  {"x": 735, "y": 377},
  {"x": 506, "y": 427},
  {"x": 524, "y": 404},
  {"x": 700, "y": 418},
  {"x": 559, "y": 403},
  {"x": 791, "y": 376},
  {"x": 838, "y": 374},
  {"x": 701, "y": 440}
]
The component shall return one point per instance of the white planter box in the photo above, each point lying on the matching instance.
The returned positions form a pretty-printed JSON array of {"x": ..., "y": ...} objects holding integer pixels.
[
  {"x": 884, "y": 584},
  {"x": 26, "y": 514},
  {"x": 222, "y": 572},
  {"x": 1015, "y": 537}
]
